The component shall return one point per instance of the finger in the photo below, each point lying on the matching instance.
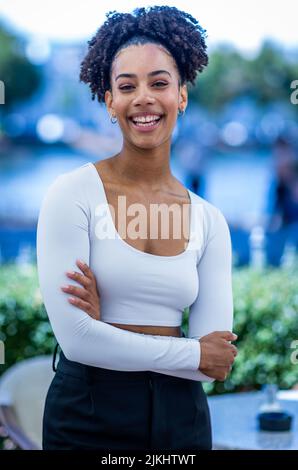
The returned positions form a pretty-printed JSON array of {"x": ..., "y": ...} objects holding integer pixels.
[
  {"x": 84, "y": 268},
  {"x": 82, "y": 305},
  {"x": 88, "y": 273},
  {"x": 227, "y": 371},
  {"x": 223, "y": 374},
  {"x": 228, "y": 335},
  {"x": 77, "y": 291},
  {"x": 80, "y": 278},
  {"x": 232, "y": 348}
]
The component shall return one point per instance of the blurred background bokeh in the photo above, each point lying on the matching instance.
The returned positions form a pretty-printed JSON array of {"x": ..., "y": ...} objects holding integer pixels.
[{"x": 236, "y": 146}]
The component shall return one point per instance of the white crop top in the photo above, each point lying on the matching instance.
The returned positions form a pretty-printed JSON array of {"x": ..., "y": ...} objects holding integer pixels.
[{"x": 135, "y": 287}]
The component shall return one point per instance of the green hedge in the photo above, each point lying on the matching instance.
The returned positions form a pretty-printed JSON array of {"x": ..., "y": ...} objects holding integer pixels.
[
  {"x": 24, "y": 326},
  {"x": 265, "y": 320}
]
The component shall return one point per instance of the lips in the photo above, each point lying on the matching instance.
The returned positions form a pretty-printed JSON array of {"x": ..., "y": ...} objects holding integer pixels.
[{"x": 146, "y": 126}]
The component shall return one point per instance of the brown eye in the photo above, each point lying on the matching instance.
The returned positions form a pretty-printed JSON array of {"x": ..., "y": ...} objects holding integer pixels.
[
  {"x": 124, "y": 87},
  {"x": 160, "y": 83},
  {"x": 127, "y": 87}
]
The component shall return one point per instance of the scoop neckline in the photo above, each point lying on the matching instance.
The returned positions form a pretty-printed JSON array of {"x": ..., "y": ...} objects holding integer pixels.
[{"x": 132, "y": 248}]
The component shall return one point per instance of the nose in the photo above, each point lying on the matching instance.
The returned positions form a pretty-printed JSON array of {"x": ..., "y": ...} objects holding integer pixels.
[{"x": 143, "y": 97}]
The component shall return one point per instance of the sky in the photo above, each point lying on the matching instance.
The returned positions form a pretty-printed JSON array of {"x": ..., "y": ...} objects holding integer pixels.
[{"x": 244, "y": 24}]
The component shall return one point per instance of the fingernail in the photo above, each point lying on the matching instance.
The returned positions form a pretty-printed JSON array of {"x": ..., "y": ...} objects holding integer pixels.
[
  {"x": 71, "y": 299},
  {"x": 70, "y": 272},
  {"x": 235, "y": 336},
  {"x": 64, "y": 287},
  {"x": 80, "y": 261}
]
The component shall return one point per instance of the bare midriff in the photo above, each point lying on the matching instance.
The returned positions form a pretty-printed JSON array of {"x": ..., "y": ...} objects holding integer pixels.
[{"x": 151, "y": 330}]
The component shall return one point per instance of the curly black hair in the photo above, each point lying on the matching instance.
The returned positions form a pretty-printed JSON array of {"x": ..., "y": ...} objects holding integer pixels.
[{"x": 174, "y": 29}]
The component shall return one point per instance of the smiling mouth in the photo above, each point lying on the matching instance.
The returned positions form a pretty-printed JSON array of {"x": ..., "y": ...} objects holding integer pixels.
[{"x": 146, "y": 125}]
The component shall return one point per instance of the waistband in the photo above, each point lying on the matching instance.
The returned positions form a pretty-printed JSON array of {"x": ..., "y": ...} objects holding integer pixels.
[
  {"x": 87, "y": 372},
  {"x": 91, "y": 373},
  {"x": 99, "y": 374}
]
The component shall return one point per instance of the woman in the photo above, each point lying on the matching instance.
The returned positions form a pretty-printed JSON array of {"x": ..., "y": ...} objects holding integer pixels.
[{"x": 126, "y": 378}]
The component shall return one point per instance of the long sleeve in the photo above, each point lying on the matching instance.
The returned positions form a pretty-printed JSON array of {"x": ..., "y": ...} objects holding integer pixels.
[
  {"x": 62, "y": 238},
  {"x": 213, "y": 307}
]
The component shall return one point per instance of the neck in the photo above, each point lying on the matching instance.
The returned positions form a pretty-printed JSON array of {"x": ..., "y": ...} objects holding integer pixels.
[{"x": 148, "y": 168}]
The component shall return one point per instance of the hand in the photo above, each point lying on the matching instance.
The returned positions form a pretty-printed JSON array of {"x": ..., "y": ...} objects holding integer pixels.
[
  {"x": 217, "y": 354},
  {"x": 88, "y": 298}
]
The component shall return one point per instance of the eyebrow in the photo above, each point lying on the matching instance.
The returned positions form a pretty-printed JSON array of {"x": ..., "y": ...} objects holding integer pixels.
[{"x": 151, "y": 74}]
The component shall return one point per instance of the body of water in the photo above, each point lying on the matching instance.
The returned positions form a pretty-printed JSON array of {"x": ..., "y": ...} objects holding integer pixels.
[{"x": 236, "y": 183}]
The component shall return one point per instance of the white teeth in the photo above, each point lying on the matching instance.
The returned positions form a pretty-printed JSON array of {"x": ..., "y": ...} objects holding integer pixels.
[
  {"x": 146, "y": 118},
  {"x": 145, "y": 124}
]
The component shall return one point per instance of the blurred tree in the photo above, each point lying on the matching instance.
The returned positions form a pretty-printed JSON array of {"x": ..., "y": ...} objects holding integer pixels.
[
  {"x": 265, "y": 78},
  {"x": 270, "y": 74},
  {"x": 222, "y": 80},
  {"x": 21, "y": 78}
]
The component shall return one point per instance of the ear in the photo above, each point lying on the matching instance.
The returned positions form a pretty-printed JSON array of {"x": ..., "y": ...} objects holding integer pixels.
[
  {"x": 109, "y": 101},
  {"x": 183, "y": 97}
]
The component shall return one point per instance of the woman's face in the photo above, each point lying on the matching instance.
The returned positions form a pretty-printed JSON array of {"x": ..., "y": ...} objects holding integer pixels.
[{"x": 144, "y": 90}]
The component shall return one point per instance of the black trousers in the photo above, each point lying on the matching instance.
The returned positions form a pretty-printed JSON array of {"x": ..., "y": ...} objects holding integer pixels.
[{"x": 91, "y": 408}]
